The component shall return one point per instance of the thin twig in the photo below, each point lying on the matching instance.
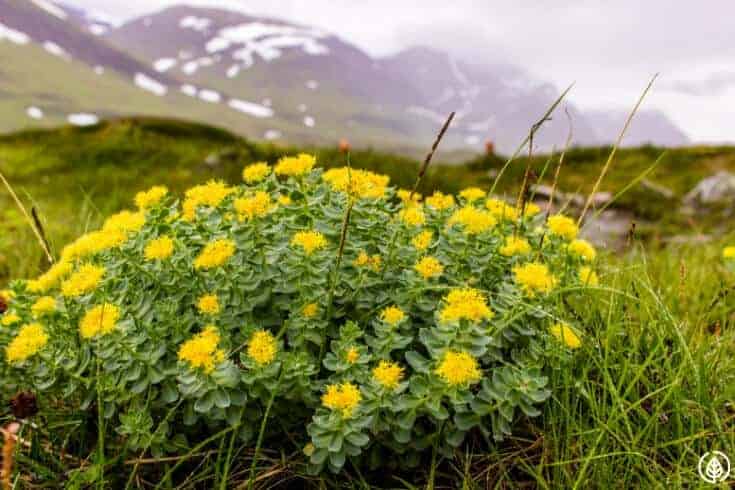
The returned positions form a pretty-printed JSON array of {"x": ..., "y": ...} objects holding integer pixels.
[
  {"x": 39, "y": 227},
  {"x": 430, "y": 155},
  {"x": 28, "y": 218},
  {"x": 615, "y": 148}
]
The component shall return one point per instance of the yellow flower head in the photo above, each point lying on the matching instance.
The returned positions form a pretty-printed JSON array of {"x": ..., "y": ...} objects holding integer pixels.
[
  {"x": 208, "y": 304},
  {"x": 85, "y": 279},
  {"x": 582, "y": 248},
  {"x": 588, "y": 276},
  {"x": 159, "y": 248},
  {"x": 392, "y": 315},
  {"x": 342, "y": 397},
  {"x": 429, "y": 267},
  {"x": 99, "y": 320},
  {"x": 563, "y": 226},
  {"x": 151, "y": 197},
  {"x": 44, "y": 305},
  {"x": 50, "y": 278},
  {"x": 256, "y": 172},
  {"x": 262, "y": 347},
  {"x": 31, "y": 338},
  {"x": 92, "y": 243},
  {"x": 253, "y": 206},
  {"x": 532, "y": 209},
  {"x": 310, "y": 310},
  {"x": 458, "y": 368},
  {"x": 440, "y": 201},
  {"x": 388, "y": 374},
  {"x": 201, "y": 350},
  {"x": 352, "y": 355},
  {"x": 501, "y": 210},
  {"x": 356, "y": 182},
  {"x": 472, "y": 194},
  {"x": 412, "y": 216},
  {"x": 364, "y": 260},
  {"x": 9, "y": 319},
  {"x": 295, "y": 166},
  {"x": 564, "y": 334},
  {"x": 534, "y": 278},
  {"x": 468, "y": 304},
  {"x": 406, "y": 198},
  {"x": 125, "y": 221},
  {"x": 214, "y": 254},
  {"x": 515, "y": 246},
  {"x": 309, "y": 241},
  {"x": 210, "y": 194},
  {"x": 728, "y": 253},
  {"x": 422, "y": 241},
  {"x": 284, "y": 200},
  {"x": 473, "y": 220}
]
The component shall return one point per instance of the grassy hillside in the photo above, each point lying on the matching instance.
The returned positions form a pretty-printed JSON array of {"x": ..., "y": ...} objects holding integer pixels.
[{"x": 76, "y": 176}]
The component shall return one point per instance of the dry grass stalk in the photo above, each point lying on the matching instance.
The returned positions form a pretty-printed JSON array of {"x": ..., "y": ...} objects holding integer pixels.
[
  {"x": 10, "y": 439},
  {"x": 430, "y": 155}
]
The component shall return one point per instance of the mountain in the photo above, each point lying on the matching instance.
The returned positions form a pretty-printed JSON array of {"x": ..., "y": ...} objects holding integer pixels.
[
  {"x": 647, "y": 127},
  {"x": 270, "y": 79}
]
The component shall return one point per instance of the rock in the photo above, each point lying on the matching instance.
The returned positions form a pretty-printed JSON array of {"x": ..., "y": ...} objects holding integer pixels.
[
  {"x": 609, "y": 229},
  {"x": 599, "y": 199},
  {"x": 716, "y": 189}
]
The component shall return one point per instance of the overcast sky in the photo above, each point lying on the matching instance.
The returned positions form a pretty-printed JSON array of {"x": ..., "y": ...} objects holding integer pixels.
[{"x": 609, "y": 48}]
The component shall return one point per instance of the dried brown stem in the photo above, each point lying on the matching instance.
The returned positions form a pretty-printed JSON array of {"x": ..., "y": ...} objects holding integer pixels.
[{"x": 430, "y": 155}]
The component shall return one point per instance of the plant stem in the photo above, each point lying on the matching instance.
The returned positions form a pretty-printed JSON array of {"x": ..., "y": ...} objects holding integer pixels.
[
  {"x": 261, "y": 433},
  {"x": 100, "y": 432}
]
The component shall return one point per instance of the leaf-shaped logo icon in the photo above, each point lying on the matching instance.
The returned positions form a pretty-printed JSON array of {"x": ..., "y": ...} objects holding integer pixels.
[{"x": 714, "y": 467}]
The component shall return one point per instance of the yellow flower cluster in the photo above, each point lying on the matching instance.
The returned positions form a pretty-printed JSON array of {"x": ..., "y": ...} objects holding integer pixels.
[
  {"x": 472, "y": 194},
  {"x": 406, "y": 198},
  {"x": 440, "y": 201},
  {"x": 31, "y": 338},
  {"x": 99, "y": 320},
  {"x": 210, "y": 194},
  {"x": 43, "y": 305},
  {"x": 429, "y": 267},
  {"x": 309, "y": 241},
  {"x": 468, "y": 304},
  {"x": 458, "y": 368},
  {"x": 563, "y": 226},
  {"x": 473, "y": 220},
  {"x": 352, "y": 355},
  {"x": 564, "y": 334},
  {"x": 208, "y": 304},
  {"x": 50, "y": 278},
  {"x": 412, "y": 216},
  {"x": 262, "y": 347},
  {"x": 85, "y": 279},
  {"x": 9, "y": 319},
  {"x": 214, "y": 254},
  {"x": 534, "y": 278},
  {"x": 295, "y": 166},
  {"x": 582, "y": 248},
  {"x": 284, "y": 200},
  {"x": 92, "y": 243},
  {"x": 365, "y": 260},
  {"x": 728, "y": 253},
  {"x": 124, "y": 221},
  {"x": 501, "y": 210},
  {"x": 253, "y": 206},
  {"x": 201, "y": 350},
  {"x": 151, "y": 197},
  {"x": 310, "y": 310},
  {"x": 422, "y": 241},
  {"x": 342, "y": 397},
  {"x": 159, "y": 248},
  {"x": 588, "y": 276},
  {"x": 515, "y": 246},
  {"x": 392, "y": 315},
  {"x": 388, "y": 374},
  {"x": 256, "y": 172},
  {"x": 356, "y": 182}
]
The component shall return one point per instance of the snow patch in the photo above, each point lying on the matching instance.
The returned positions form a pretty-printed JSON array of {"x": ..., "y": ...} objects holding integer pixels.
[
  {"x": 210, "y": 96},
  {"x": 233, "y": 71},
  {"x": 272, "y": 134},
  {"x": 12, "y": 35},
  {"x": 147, "y": 83},
  {"x": 189, "y": 90},
  {"x": 98, "y": 29},
  {"x": 198, "y": 24},
  {"x": 51, "y": 8},
  {"x": 312, "y": 84},
  {"x": 82, "y": 119},
  {"x": 251, "y": 108},
  {"x": 55, "y": 49},
  {"x": 99, "y": 70},
  {"x": 164, "y": 64},
  {"x": 217, "y": 44},
  {"x": 309, "y": 122},
  {"x": 34, "y": 112}
]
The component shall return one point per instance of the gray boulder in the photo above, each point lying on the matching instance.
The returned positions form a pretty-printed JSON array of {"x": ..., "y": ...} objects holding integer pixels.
[{"x": 716, "y": 189}]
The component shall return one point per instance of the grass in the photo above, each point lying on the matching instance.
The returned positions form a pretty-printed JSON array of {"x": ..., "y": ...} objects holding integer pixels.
[{"x": 650, "y": 391}]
